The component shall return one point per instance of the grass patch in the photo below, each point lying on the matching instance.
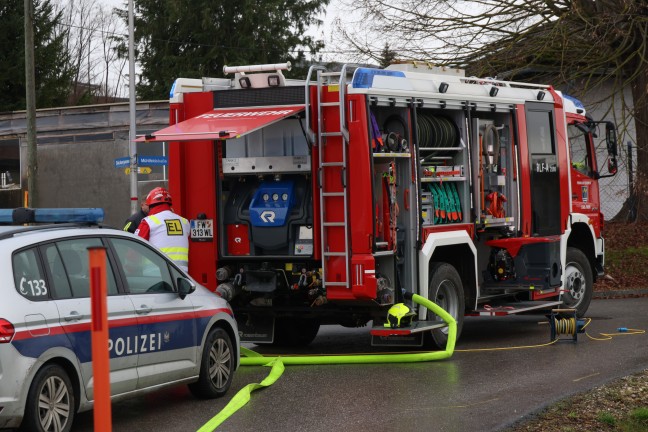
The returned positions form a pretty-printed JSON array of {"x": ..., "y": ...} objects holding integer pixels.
[
  {"x": 606, "y": 417},
  {"x": 640, "y": 415},
  {"x": 621, "y": 256},
  {"x": 637, "y": 421}
]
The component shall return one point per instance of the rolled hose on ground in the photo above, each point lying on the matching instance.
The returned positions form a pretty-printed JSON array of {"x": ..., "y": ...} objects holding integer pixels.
[{"x": 255, "y": 359}]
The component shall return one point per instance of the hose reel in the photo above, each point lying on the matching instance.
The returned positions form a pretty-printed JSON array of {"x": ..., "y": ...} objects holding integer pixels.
[{"x": 565, "y": 322}]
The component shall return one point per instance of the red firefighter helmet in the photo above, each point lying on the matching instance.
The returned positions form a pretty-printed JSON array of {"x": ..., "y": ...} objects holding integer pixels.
[{"x": 158, "y": 195}]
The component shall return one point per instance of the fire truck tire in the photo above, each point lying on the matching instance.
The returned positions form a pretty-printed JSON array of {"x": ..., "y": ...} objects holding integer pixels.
[
  {"x": 578, "y": 282},
  {"x": 216, "y": 367},
  {"x": 295, "y": 332},
  {"x": 446, "y": 290}
]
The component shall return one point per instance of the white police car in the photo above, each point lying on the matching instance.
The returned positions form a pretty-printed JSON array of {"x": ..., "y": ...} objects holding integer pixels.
[{"x": 164, "y": 329}]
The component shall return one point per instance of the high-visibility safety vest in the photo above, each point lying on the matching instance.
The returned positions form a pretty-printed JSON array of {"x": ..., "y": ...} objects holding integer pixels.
[{"x": 170, "y": 234}]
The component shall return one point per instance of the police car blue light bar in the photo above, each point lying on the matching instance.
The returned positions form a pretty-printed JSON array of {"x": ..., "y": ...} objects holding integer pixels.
[{"x": 25, "y": 215}]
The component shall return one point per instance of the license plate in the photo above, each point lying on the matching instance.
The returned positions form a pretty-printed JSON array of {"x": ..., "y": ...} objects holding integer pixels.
[{"x": 202, "y": 229}]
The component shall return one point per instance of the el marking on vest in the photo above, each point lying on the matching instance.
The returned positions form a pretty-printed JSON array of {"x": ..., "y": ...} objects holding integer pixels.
[{"x": 173, "y": 226}]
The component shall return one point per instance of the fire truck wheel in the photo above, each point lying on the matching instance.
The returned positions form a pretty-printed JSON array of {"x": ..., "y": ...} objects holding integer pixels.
[
  {"x": 446, "y": 290},
  {"x": 578, "y": 282},
  {"x": 216, "y": 367},
  {"x": 295, "y": 332}
]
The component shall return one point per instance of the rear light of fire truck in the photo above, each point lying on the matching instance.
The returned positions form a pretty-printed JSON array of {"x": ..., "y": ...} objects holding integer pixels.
[{"x": 7, "y": 331}]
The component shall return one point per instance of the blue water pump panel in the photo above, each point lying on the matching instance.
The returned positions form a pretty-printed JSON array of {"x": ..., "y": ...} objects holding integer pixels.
[{"x": 272, "y": 203}]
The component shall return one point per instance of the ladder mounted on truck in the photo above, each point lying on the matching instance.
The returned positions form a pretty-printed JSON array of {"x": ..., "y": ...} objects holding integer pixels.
[{"x": 332, "y": 140}]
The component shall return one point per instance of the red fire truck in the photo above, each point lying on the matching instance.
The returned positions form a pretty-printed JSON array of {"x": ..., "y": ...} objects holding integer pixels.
[{"x": 325, "y": 200}]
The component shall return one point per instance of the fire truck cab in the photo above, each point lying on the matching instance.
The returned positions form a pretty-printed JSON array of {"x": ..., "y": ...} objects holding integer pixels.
[{"x": 323, "y": 201}]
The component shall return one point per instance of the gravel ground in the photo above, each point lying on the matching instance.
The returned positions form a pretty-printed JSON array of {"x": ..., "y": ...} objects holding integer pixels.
[{"x": 621, "y": 405}]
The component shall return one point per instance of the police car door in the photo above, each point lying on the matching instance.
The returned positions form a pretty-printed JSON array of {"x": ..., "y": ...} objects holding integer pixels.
[
  {"x": 167, "y": 346},
  {"x": 67, "y": 262}
]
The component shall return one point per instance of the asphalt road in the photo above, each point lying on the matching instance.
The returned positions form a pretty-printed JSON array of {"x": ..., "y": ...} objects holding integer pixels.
[{"x": 473, "y": 390}]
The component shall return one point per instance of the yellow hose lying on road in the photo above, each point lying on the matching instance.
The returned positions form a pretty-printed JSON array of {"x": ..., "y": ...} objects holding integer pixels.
[
  {"x": 277, "y": 363},
  {"x": 259, "y": 360}
]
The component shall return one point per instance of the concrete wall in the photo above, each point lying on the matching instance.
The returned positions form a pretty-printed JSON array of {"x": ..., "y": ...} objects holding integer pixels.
[{"x": 76, "y": 149}]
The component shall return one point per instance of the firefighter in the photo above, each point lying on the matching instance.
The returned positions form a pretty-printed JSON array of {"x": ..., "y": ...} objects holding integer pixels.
[
  {"x": 165, "y": 229},
  {"x": 136, "y": 218}
]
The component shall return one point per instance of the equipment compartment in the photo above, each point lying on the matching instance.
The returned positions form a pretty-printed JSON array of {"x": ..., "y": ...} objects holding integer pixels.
[
  {"x": 494, "y": 169},
  {"x": 444, "y": 166}
]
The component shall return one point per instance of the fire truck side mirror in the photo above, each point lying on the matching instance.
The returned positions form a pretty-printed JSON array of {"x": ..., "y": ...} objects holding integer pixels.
[
  {"x": 611, "y": 142},
  {"x": 612, "y": 165},
  {"x": 611, "y": 139}
]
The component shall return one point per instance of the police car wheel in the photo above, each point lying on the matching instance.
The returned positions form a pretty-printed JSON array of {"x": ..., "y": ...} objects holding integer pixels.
[
  {"x": 446, "y": 290},
  {"x": 216, "y": 367},
  {"x": 50, "y": 402}
]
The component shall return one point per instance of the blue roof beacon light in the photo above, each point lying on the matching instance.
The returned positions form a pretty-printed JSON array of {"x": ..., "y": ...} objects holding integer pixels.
[
  {"x": 577, "y": 103},
  {"x": 23, "y": 215},
  {"x": 172, "y": 92},
  {"x": 363, "y": 77}
]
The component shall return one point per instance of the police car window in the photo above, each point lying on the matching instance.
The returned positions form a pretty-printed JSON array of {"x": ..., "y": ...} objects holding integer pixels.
[
  {"x": 28, "y": 275},
  {"x": 59, "y": 280},
  {"x": 68, "y": 263},
  {"x": 175, "y": 274},
  {"x": 145, "y": 270}
]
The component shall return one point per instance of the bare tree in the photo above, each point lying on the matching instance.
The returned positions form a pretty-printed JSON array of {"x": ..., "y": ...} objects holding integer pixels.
[
  {"x": 80, "y": 19},
  {"x": 114, "y": 65},
  {"x": 581, "y": 43},
  {"x": 91, "y": 39}
]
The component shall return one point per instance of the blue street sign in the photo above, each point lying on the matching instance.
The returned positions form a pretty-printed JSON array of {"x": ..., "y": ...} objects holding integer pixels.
[
  {"x": 122, "y": 162},
  {"x": 152, "y": 160}
]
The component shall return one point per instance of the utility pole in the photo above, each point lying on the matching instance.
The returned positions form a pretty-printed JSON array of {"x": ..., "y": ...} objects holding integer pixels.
[
  {"x": 132, "y": 146},
  {"x": 30, "y": 100}
]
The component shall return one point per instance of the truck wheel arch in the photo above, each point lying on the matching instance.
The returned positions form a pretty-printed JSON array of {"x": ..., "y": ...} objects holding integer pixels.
[
  {"x": 456, "y": 249},
  {"x": 582, "y": 237}
]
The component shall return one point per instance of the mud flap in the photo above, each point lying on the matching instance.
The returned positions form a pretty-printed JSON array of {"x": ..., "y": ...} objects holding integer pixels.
[
  {"x": 255, "y": 329},
  {"x": 412, "y": 340},
  {"x": 411, "y": 336}
]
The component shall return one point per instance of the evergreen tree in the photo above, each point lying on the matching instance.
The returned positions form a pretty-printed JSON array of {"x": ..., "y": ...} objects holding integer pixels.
[
  {"x": 196, "y": 38},
  {"x": 387, "y": 56},
  {"x": 52, "y": 71}
]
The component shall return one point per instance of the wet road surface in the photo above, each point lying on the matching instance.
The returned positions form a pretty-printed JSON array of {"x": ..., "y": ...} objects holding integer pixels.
[{"x": 473, "y": 390}]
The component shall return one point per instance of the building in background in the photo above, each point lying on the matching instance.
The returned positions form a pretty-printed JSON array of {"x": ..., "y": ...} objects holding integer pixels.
[{"x": 78, "y": 149}]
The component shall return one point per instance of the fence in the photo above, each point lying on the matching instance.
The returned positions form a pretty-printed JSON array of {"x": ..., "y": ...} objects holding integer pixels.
[{"x": 616, "y": 190}]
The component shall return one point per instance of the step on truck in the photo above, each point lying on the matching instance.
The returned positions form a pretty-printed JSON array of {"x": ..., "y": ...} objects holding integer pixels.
[{"x": 325, "y": 200}]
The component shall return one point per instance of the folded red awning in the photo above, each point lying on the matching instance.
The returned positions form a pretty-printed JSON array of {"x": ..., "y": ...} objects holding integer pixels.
[{"x": 222, "y": 123}]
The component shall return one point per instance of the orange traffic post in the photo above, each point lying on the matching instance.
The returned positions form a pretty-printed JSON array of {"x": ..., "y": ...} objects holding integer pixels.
[{"x": 100, "y": 354}]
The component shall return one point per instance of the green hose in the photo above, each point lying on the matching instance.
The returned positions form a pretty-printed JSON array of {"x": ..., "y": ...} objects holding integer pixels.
[
  {"x": 277, "y": 363},
  {"x": 373, "y": 358}
]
